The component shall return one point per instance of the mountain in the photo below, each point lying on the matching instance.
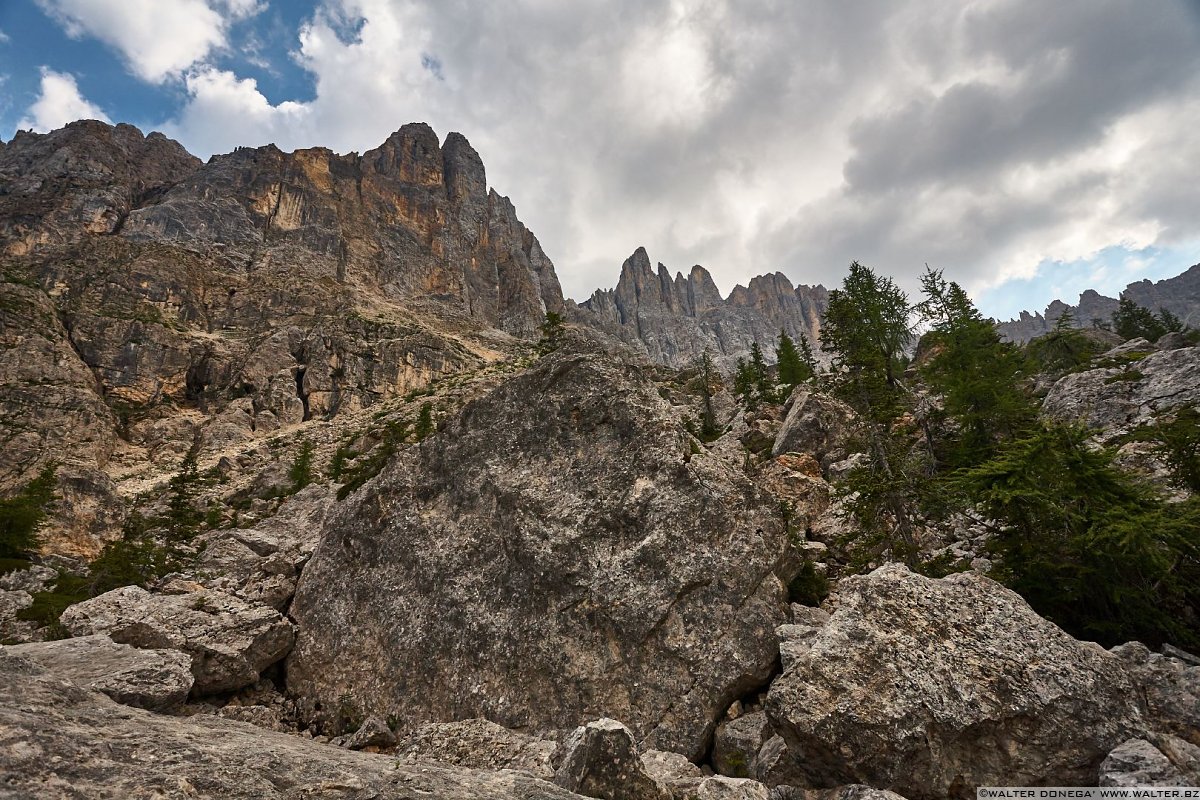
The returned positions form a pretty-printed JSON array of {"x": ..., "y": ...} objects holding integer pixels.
[
  {"x": 151, "y": 300},
  {"x": 1179, "y": 295},
  {"x": 674, "y": 320}
]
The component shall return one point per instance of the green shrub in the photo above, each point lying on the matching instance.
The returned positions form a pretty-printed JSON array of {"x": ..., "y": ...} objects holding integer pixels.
[{"x": 22, "y": 514}]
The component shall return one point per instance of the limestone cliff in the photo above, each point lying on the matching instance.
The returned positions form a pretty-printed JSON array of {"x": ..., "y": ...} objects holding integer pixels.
[{"x": 151, "y": 300}]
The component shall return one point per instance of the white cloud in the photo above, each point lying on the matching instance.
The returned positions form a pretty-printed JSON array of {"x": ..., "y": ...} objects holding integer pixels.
[
  {"x": 58, "y": 103},
  {"x": 158, "y": 39},
  {"x": 3, "y": 37},
  {"x": 984, "y": 138}
]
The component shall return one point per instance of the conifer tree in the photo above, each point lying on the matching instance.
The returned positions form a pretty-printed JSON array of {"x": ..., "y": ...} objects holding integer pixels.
[
  {"x": 22, "y": 514},
  {"x": 977, "y": 375},
  {"x": 806, "y": 355},
  {"x": 761, "y": 374},
  {"x": 792, "y": 369},
  {"x": 1132, "y": 321}
]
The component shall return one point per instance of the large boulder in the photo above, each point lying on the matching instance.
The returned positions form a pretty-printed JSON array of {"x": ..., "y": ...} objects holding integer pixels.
[
  {"x": 816, "y": 424},
  {"x": 933, "y": 687},
  {"x": 601, "y": 760},
  {"x": 60, "y": 740},
  {"x": 155, "y": 679},
  {"x": 556, "y": 552},
  {"x": 230, "y": 642},
  {"x": 1115, "y": 400}
]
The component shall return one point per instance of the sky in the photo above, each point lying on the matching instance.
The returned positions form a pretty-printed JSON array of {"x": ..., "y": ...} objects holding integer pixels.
[{"x": 1029, "y": 149}]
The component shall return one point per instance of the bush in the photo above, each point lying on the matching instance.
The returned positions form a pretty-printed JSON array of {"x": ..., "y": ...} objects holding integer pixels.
[{"x": 22, "y": 514}]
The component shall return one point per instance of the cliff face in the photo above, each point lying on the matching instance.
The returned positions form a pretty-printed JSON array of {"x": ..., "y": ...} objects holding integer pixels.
[
  {"x": 151, "y": 300},
  {"x": 1179, "y": 295},
  {"x": 674, "y": 320}
]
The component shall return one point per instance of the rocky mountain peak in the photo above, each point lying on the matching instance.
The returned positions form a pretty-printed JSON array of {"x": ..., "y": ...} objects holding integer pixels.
[{"x": 674, "y": 320}]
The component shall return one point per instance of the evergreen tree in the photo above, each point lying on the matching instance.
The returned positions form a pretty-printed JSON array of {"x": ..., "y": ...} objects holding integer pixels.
[
  {"x": 762, "y": 375},
  {"x": 977, "y": 375},
  {"x": 22, "y": 514},
  {"x": 182, "y": 517},
  {"x": 806, "y": 355},
  {"x": 792, "y": 369},
  {"x": 424, "y": 422},
  {"x": 1170, "y": 322},
  {"x": 552, "y": 331},
  {"x": 1131, "y": 321},
  {"x": 300, "y": 474},
  {"x": 1063, "y": 349},
  {"x": 707, "y": 378},
  {"x": 866, "y": 330},
  {"x": 744, "y": 383},
  {"x": 1085, "y": 545}
]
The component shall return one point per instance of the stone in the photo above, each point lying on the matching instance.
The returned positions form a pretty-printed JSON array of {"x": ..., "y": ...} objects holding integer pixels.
[
  {"x": 775, "y": 766},
  {"x": 158, "y": 680},
  {"x": 229, "y": 642},
  {"x": 578, "y": 582},
  {"x": 1131, "y": 347},
  {"x": 600, "y": 759},
  {"x": 1169, "y": 689},
  {"x": 479, "y": 744},
  {"x": 1098, "y": 398},
  {"x": 932, "y": 687},
  {"x": 720, "y": 787},
  {"x": 796, "y": 638},
  {"x": 1136, "y": 762},
  {"x": 1178, "y": 653},
  {"x": 815, "y": 424},
  {"x": 374, "y": 732},
  {"x": 58, "y": 739},
  {"x": 1172, "y": 341},
  {"x": 736, "y": 745}
]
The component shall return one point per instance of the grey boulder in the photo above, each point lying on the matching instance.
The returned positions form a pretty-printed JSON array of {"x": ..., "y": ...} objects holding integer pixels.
[
  {"x": 600, "y": 759},
  {"x": 932, "y": 687},
  {"x": 158, "y": 680},
  {"x": 229, "y": 641}
]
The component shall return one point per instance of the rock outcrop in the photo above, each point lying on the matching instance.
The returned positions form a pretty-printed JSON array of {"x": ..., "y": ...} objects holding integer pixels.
[
  {"x": 479, "y": 744},
  {"x": 1137, "y": 762},
  {"x": 60, "y": 740},
  {"x": 555, "y": 553},
  {"x": 229, "y": 642},
  {"x": 1114, "y": 400},
  {"x": 674, "y": 320},
  {"x": 932, "y": 687}
]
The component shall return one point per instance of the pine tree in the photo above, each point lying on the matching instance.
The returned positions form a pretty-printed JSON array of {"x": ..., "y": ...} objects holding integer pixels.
[
  {"x": 1083, "y": 543},
  {"x": 300, "y": 474},
  {"x": 744, "y": 383},
  {"x": 792, "y": 369},
  {"x": 552, "y": 331},
  {"x": 762, "y": 375},
  {"x": 866, "y": 330},
  {"x": 806, "y": 355},
  {"x": 977, "y": 375},
  {"x": 707, "y": 378},
  {"x": 1132, "y": 321},
  {"x": 424, "y": 422}
]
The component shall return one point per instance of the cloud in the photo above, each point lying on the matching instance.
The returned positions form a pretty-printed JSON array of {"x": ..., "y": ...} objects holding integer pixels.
[
  {"x": 158, "y": 39},
  {"x": 3, "y": 37},
  {"x": 985, "y": 138},
  {"x": 58, "y": 103}
]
